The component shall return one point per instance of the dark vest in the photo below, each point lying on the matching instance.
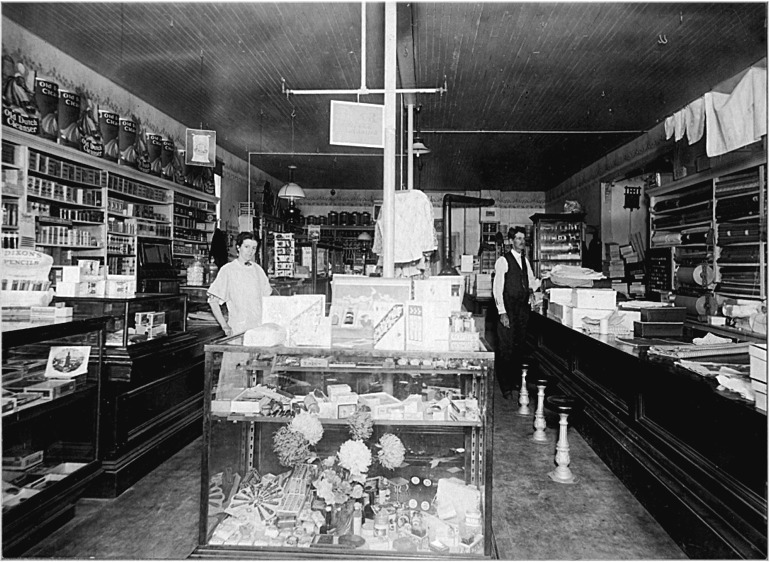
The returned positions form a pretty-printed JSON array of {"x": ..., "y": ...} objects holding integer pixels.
[{"x": 516, "y": 286}]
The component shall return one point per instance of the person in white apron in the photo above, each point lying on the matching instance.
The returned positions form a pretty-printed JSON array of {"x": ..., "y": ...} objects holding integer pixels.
[{"x": 240, "y": 284}]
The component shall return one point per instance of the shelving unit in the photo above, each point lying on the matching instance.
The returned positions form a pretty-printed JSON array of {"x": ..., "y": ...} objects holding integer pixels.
[
  {"x": 716, "y": 223},
  {"x": 239, "y": 457},
  {"x": 80, "y": 206},
  {"x": 61, "y": 433},
  {"x": 558, "y": 239},
  {"x": 14, "y": 178}
]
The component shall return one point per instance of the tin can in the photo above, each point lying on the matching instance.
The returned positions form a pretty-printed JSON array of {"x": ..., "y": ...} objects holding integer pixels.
[
  {"x": 47, "y": 99},
  {"x": 334, "y": 218}
]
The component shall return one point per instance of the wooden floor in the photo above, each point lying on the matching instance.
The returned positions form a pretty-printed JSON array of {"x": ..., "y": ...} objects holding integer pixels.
[{"x": 534, "y": 517}]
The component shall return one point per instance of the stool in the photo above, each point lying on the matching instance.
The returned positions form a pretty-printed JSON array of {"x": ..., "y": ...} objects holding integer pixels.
[
  {"x": 564, "y": 405},
  {"x": 539, "y": 436},
  {"x": 523, "y": 394}
]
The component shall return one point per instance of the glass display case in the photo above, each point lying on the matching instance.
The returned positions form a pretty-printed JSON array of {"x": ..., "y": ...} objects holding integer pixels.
[
  {"x": 138, "y": 319},
  {"x": 52, "y": 380},
  {"x": 558, "y": 240},
  {"x": 346, "y": 453}
]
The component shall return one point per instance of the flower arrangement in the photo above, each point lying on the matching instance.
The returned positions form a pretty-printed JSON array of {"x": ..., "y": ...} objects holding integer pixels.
[{"x": 292, "y": 442}]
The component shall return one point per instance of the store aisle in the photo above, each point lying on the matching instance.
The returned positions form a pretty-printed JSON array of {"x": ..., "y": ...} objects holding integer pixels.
[{"x": 534, "y": 518}]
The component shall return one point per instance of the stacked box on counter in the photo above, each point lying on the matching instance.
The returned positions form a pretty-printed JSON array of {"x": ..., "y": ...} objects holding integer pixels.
[
  {"x": 661, "y": 321},
  {"x": 758, "y": 373},
  {"x": 570, "y": 306}
]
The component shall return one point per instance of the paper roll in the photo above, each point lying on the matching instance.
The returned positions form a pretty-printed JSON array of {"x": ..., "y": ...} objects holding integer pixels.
[
  {"x": 688, "y": 302},
  {"x": 706, "y": 304},
  {"x": 700, "y": 275}
]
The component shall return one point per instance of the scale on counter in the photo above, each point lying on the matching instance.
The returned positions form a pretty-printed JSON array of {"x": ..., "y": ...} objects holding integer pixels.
[{"x": 155, "y": 267}]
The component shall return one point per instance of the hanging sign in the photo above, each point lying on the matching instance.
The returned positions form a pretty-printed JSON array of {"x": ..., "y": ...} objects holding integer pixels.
[
  {"x": 357, "y": 124},
  {"x": 200, "y": 148}
]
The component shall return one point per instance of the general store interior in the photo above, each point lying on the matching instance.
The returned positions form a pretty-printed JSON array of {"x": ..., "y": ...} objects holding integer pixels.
[{"x": 589, "y": 115}]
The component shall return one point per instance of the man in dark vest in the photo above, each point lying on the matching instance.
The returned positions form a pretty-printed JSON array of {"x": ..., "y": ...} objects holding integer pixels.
[{"x": 513, "y": 289}]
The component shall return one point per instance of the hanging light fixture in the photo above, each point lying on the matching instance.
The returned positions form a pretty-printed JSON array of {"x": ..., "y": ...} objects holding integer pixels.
[
  {"x": 418, "y": 147},
  {"x": 291, "y": 190}
]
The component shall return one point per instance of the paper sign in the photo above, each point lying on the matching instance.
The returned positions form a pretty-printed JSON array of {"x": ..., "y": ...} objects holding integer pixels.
[
  {"x": 200, "y": 147},
  {"x": 357, "y": 124}
]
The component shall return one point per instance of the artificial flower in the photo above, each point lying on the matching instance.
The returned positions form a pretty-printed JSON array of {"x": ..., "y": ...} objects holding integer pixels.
[
  {"x": 291, "y": 447},
  {"x": 391, "y": 453},
  {"x": 355, "y": 456},
  {"x": 361, "y": 425},
  {"x": 309, "y": 426}
]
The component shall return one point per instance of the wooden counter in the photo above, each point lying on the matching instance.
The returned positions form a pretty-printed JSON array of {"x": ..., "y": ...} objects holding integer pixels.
[{"x": 694, "y": 456}]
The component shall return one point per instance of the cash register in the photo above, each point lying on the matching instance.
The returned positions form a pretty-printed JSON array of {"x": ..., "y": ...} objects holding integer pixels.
[{"x": 155, "y": 267}]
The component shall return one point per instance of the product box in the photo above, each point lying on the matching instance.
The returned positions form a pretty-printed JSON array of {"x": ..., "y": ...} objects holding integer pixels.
[
  {"x": 560, "y": 312},
  {"x": 50, "y": 312},
  {"x": 21, "y": 460},
  {"x": 149, "y": 319},
  {"x": 664, "y": 314},
  {"x": 390, "y": 327},
  {"x": 575, "y": 316},
  {"x": 335, "y": 390},
  {"x": 362, "y": 292},
  {"x": 82, "y": 289},
  {"x": 560, "y": 295},
  {"x": 604, "y": 299},
  {"x": 303, "y": 317},
  {"x": 118, "y": 286},
  {"x": 427, "y": 326},
  {"x": 441, "y": 288},
  {"x": 52, "y": 388},
  {"x": 656, "y": 329},
  {"x": 758, "y": 362},
  {"x": 375, "y": 400},
  {"x": 463, "y": 341},
  {"x": 152, "y": 331}
]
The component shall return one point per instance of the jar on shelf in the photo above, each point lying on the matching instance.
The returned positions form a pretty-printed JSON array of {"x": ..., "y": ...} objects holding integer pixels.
[
  {"x": 333, "y": 218},
  {"x": 195, "y": 272}
]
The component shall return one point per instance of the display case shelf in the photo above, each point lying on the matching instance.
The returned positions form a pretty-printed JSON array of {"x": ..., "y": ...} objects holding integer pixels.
[
  {"x": 50, "y": 447},
  {"x": 239, "y": 455}
]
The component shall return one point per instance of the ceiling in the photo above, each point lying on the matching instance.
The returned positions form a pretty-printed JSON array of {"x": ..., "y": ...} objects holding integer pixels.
[{"x": 600, "y": 71}]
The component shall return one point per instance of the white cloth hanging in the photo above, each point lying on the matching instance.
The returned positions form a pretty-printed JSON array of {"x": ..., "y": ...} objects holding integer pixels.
[
  {"x": 739, "y": 118},
  {"x": 414, "y": 230},
  {"x": 695, "y": 120},
  {"x": 675, "y": 125}
]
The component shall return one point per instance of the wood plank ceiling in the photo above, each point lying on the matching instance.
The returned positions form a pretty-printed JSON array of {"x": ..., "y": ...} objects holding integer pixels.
[{"x": 532, "y": 68}]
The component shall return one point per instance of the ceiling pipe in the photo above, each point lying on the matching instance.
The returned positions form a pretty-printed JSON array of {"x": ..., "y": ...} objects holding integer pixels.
[
  {"x": 525, "y": 132},
  {"x": 446, "y": 232},
  {"x": 362, "y": 90}
]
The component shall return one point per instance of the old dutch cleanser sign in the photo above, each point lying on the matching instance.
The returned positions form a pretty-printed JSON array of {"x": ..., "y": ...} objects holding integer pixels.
[{"x": 357, "y": 124}]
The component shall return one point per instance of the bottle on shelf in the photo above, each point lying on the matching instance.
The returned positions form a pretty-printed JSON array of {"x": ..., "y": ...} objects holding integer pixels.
[
  {"x": 195, "y": 273},
  {"x": 213, "y": 269}
]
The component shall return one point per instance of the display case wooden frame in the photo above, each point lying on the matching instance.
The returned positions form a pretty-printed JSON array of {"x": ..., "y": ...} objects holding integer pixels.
[{"x": 472, "y": 373}]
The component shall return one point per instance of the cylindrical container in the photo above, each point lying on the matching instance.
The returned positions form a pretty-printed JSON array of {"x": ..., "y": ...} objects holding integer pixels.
[
  {"x": 356, "y": 218},
  {"x": 69, "y": 113},
  {"x": 366, "y": 218},
  {"x": 322, "y": 220},
  {"x": 167, "y": 159},
  {"x": 127, "y": 141},
  {"x": 381, "y": 523},
  {"x": 334, "y": 218},
  {"x": 344, "y": 218},
  {"x": 47, "y": 99},
  {"x": 155, "y": 150},
  {"x": 109, "y": 124},
  {"x": 312, "y": 219}
]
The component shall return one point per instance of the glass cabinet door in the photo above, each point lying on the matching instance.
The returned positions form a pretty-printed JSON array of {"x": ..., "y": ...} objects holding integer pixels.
[{"x": 327, "y": 450}]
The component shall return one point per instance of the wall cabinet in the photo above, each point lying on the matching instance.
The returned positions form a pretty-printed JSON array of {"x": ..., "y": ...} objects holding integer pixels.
[
  {"x": 73, "y": 205},
  {"x": 50, "y": 443},
  {"x": 716, "y": 223},
  {"x": 433, "y": 501}
]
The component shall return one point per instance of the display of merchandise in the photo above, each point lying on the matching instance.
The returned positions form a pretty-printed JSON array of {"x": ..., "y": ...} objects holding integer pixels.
[
  {"x": 558, "y": 240},
  {"x": 370, "y": 452}
]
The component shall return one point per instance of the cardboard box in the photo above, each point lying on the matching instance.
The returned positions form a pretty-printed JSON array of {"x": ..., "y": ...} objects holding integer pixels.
[
  {"x": 119, "y": 286},
  {"x": 657, "y": 329},
  {"x": 21, "y": 460},
  {"x": 758, "y": 362},
  {"x": 463, "y": 341},
  {"x": 441, "y": 288},
  {"x": 427, "y": 326},
  {"x": 575, "y": 315},
  {"x": 559, "y": 295},
  {"x": 149, "y": 319},
  {"x": 604, "y": 299},
  {"x": 303, "y": 317},
  {"x": 664, "y": 314},
  {"x": 335, "y": 390},
  {"x": 52, "y": 388}
]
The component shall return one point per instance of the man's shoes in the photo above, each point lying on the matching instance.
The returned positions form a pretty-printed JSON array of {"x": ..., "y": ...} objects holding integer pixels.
[{"x": 508, "y": 395}]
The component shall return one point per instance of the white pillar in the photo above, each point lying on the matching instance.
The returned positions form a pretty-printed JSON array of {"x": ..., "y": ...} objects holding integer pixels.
[
  {"x": 389, "y": 157},
  {"x": 410, "y": 150}
]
